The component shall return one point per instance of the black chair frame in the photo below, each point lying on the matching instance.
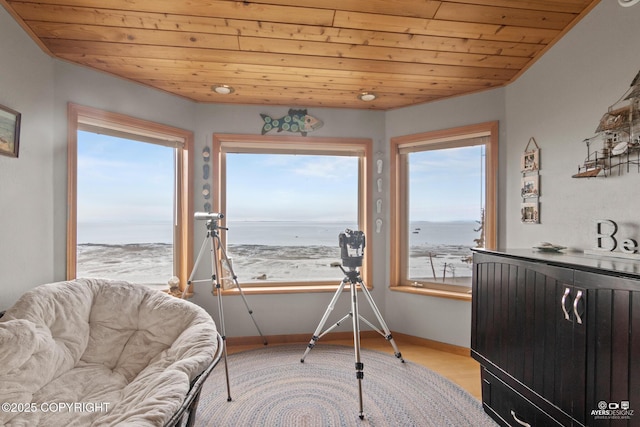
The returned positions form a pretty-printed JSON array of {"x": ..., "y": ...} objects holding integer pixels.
[{"x": 190, "y": 403}]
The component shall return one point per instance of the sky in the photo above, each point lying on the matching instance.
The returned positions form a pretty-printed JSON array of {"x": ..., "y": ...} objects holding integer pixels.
[
  {"x": 122, "y": 180},
  {"x": 445, "y": 184},
  {"x": 292, "y": 187}
]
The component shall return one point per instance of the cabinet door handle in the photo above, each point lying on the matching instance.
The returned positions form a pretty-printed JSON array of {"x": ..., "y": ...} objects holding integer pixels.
[
  {"x": 567, "y": 291},
  {"x": 522, "y": 423},
  {"x": 575, "y": 307}
]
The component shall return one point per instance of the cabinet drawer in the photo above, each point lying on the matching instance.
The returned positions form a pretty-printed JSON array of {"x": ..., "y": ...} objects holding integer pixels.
[{"x": 510, "y": 408}]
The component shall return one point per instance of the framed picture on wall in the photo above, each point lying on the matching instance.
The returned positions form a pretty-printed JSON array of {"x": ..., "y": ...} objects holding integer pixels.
[
  {"x": 530, "y": 161},
  {"x": 530, "y": 186},
  {"x": 9, "y": 131},
  {"x": 530, "y": 213}
]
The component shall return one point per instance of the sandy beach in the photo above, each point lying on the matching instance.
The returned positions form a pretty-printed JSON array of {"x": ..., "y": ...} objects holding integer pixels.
[
  {"x": 267, "y": 252},
  {"x": 151, "y": 263}
]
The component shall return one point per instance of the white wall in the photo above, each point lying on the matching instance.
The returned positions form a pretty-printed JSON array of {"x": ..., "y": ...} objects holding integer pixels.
[
  {"x": 559, "y": 101},
  {"x": 26, "y": 190}
]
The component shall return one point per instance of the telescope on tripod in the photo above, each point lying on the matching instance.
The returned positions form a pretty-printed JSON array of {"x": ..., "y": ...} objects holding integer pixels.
[
  {"x": 218, "y": 258},
  {"x": 352, "y": 244}
]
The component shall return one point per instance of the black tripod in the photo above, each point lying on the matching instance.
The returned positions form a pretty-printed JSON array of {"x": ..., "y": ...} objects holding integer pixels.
[
  {"x": 353, "y": 240},
  {"x": 216, "y": 247}
]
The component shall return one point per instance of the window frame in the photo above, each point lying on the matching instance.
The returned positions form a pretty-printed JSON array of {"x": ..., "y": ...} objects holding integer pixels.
[
  {"x": 439, "y": 139},
  {"x": 272, "y": 144},
  {"x": 81, "y": 117}
]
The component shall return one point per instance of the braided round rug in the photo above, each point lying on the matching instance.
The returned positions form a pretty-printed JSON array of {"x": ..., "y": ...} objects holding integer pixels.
[{"x": 270, "y": 387}]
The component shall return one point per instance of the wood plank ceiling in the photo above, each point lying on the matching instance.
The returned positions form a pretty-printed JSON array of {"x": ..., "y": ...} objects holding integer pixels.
[{"x": 304, "y": 53}]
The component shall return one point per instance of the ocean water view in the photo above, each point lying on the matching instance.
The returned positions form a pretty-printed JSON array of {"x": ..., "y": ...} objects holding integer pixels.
[
  {"x": 442, "y": 250},
  {"x": 264, "y": 251}
]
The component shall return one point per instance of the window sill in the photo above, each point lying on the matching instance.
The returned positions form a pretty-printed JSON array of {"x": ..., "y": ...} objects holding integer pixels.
[{"x": 433, "y": 292}]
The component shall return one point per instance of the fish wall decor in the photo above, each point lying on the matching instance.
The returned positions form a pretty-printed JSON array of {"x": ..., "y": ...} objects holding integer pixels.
[{"x": 294, "y": 121}]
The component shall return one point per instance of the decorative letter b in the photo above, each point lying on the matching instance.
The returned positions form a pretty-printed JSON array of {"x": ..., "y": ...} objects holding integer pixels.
[{"x": 604, "y": 239}]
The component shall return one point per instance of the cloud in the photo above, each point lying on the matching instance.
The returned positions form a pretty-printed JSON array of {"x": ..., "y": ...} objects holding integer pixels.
[{"x": 328, "y": 167}]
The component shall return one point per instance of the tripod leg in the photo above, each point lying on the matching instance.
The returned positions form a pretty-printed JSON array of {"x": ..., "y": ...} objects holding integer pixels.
[
  {"x": 224, "y": 343},
  {"x": 216, "y": 284},
  {"x": 387, "y": 332},
  {"x": 356, "y": 344},
  {"x": 195, "y": 266},
  {"x": 317, "y": 333},
  {"x": 235, "y": 282}
]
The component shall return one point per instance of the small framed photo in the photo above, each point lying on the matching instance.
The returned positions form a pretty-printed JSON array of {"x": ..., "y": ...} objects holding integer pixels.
[
  {"x": 9, "y": 131},
  {"x": 530, "y": 161},
  {"x": 530, "y": 213},
  {"x": 530, "y": 186}
]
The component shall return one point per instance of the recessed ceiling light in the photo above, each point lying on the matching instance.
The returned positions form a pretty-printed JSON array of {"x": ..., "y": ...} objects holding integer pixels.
[
  {"x": 222, "y": 89},
  {"x": 367, "y": 96},
  {"x": 628, "y": 3}
]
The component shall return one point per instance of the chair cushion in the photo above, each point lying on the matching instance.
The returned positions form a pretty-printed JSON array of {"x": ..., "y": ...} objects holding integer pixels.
[{"x": 93, "y": 340}]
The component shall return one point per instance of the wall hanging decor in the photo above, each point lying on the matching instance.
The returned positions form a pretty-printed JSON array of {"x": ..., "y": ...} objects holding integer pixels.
[
  {"x": 295, "y": 121},
  {"x": 206, "y": 169},
  {"x": 531, "y": 157},
  {"x": 615, "y": 149},
  {"x": 9, "y": 131},
  {"x": 530, "y": 213},
  {"x": 206, "y": 154},
  {"x": 530, "y": 184}
]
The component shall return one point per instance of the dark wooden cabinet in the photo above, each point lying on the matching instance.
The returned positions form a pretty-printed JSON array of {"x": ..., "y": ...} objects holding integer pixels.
[{"x": 558, "y": 338}]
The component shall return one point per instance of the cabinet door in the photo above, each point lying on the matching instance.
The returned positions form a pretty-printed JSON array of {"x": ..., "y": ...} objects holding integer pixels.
[
  {"x": 520, "y": 327},
  {"x": 571, "y": 342},
  {"x": 613, "y": 351}
]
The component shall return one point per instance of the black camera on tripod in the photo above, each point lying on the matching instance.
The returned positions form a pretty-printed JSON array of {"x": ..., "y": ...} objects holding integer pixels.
[{"x": 352, "y": 245}]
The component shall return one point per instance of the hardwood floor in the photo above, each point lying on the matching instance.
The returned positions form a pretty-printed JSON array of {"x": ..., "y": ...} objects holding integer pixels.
[{"x": 460, "y": 369}]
